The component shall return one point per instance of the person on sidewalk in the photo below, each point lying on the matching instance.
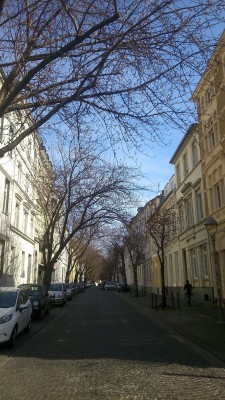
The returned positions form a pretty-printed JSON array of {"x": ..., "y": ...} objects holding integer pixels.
[{"x": 188, "y": 291}]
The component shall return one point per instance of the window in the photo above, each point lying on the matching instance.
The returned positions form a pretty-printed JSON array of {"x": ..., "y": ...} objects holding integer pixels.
[
  {"x": 189, "y": 212},
  {"x": 212, "y": 139},
  {"x": 194, "y": 153},
  {"x": 17, "y": 215},
  {"x": 181, "y": 218},
  {"x": 217, "y": 196},
  {"x": 31, "y": 225},
  {"x": 204, "y": 260},
  {"x": 2, "y": 253},
  {"x": 171, "y": 270},
  {"x": 185, "y": 164},
  {"x": 178, "y": 174},
  {"x": 208, "y": 95},
  {"x": 27, "y": 181},
  {"x": 212, "y": 134},
  {"x": 23, "y": 265},
  {"x": 6, "y": 197},
  {"x": 176, "y": 268},
  {"x": 12, "y": 260},
  {"x": 19, "y": 173},
  {"x": 29, "y": 268},
  {"x": 25, "y": 219},
  {"x": 194, "y": 264},
  {"x": 210, "y": 198},
  {"x": 198, "y": 204},
  {"x": 222, "y": 191}
]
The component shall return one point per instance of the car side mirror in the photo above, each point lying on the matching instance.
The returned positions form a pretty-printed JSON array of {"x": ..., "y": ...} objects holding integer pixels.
[{"x": 22, "y": 307}]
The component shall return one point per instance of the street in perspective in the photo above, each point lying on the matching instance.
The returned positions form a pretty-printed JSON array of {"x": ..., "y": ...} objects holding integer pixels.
[
  {"x": 112, "y": 200},
  {"x": 107, "y": 344}
]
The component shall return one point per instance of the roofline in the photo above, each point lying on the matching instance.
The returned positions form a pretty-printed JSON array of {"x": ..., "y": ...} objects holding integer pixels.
[
  {"x": 215, "y": 51},
  {"x": 189, "y": 131}
]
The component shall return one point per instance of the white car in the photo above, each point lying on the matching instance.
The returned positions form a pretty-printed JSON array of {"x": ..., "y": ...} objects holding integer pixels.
[
  {"x": 57, "y": 293},
  {"x": 15, "y": 314}
]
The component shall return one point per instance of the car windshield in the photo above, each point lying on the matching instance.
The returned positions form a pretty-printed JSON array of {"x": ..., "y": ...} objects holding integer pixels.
[
  {"x": 55, "y": 287},
  {"x": 7, "y": 299},
  {"x": 32, "y": 290}
]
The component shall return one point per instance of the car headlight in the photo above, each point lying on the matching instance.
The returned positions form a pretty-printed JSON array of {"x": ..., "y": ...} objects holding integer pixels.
[{"x": 6, "y": 318}]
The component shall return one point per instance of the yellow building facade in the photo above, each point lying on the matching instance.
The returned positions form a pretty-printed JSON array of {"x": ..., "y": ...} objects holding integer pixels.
[{"x": 209, "y": 97}]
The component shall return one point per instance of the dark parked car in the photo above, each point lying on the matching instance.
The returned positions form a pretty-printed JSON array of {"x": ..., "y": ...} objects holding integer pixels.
[
  {"x": 39, "y": 299},
  {"x": 80, "y": 287},
  {"x": 69, "y": 291}
]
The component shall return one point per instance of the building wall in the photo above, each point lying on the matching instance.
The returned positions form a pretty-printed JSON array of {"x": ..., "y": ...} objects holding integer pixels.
[
  {"x": 18, "y": 215},
  {"x": 210, "y": 99},
  {"x": 193, "y": 252}
]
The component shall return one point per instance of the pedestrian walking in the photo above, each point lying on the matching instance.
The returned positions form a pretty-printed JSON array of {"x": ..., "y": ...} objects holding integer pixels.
[{"x": 188, "y": 291}]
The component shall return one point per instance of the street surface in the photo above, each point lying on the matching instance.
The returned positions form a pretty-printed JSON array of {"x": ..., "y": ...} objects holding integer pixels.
[{"x": 101, "y": 347}]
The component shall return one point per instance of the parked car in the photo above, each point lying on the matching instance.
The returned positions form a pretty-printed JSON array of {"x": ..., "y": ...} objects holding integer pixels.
[
  {"x": 80, "y": 287},
  {"x": 57, "y": 293},
  {"x": 69, "y": 291},
  {"x": 15, "y": 314},
  {"x": 111, "y": 286},
  {"x": 39, "y": 299},
  {"x": 74, "y": 289}
]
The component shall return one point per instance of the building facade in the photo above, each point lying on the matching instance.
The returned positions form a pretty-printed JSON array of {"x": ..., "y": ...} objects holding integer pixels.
[
  {"x": 209, "y": 97},
  {"x": 191, "y": 257}
]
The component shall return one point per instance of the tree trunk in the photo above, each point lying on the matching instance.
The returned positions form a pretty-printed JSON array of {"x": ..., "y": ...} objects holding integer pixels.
[
  {"x": 67, "y": 278},
  {"x": 124, "y": 273},
  {"x": 164, "y": 301},
  {"x": 47, "y": 275},
  {"x": 135, "y": 283}
]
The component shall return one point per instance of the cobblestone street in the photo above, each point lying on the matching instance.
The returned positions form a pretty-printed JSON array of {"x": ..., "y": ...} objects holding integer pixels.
[{"x": 101, "y": 347}]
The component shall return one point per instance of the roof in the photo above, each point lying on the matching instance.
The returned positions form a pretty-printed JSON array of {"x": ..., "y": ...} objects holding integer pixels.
[{"x": 8, "y": 289}]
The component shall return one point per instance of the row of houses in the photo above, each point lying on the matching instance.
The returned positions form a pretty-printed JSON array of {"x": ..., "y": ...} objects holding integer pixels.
[
  {"x": 196, "y": 249},
  {"x": 21, "y": 219}
]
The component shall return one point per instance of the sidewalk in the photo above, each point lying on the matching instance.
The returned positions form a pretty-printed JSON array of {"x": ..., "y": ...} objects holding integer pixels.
[{"x": 198, "y": 323}]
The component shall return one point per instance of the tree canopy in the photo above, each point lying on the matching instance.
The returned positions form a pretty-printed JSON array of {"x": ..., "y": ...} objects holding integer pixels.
[{"x": 122, "y": 66}]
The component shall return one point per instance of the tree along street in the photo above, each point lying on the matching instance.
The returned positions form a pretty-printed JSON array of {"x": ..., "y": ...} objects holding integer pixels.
[{"x": 99, "y": 346}]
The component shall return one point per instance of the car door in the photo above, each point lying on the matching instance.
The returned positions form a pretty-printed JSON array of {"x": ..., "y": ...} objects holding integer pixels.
[{"x": 23, "y": 314}]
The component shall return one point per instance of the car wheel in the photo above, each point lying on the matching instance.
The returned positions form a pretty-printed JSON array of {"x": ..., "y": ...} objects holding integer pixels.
[
  {"x": 12, "y": 339},
  {"x": 41, "y": 314},
  {"x": 28, "y": 327}
]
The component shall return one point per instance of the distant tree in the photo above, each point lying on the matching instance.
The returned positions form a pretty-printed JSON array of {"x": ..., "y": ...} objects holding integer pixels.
[
  {"x": 135, "y": 244},
  {"x": 78, "y": 197},
  {"x": 93, "y": 262},
  {"x": 116, "y": 251},
  {"x": 124, "y": 67},
  {"x": 76, "y": 250},
  {"x": 162, "y": 229}
]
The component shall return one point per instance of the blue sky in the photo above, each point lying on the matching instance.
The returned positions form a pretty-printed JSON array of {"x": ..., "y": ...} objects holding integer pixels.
[{"x": 157, "y": 168}]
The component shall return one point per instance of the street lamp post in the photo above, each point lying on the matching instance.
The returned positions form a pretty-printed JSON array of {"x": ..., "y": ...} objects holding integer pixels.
[{"x": 211, "y": 226}]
